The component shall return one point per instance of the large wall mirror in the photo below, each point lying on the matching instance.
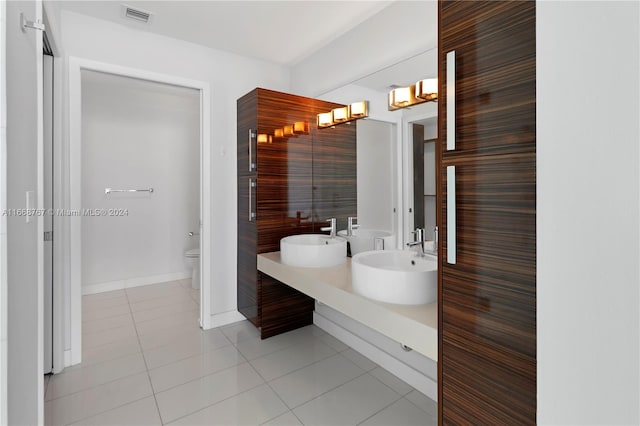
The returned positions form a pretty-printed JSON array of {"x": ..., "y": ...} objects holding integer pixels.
[{"x": 396, "y": 151}]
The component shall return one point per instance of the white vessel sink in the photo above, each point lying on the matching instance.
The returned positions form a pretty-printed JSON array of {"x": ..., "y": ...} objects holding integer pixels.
[
  {"x": 313, "y": 251},
  {"x": 395, "y": 276},
  {"x": 364, "y": 239}
]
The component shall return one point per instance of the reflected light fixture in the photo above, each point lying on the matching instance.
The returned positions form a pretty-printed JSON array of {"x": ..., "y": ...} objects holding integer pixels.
[
  {"x": 278, "y": 133},
  {"x": 423, "y": 91},
  {"x": 400, "y": 97},
  {"x": 264, "y": 138},
  {"x": 300, "y": 127},
  {"x": 288, "y": 130},
  {"x": 343, "y": 114}
]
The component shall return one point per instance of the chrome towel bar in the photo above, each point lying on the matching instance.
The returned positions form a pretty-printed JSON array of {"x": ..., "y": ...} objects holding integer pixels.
[{"x": 110, "y": 190}]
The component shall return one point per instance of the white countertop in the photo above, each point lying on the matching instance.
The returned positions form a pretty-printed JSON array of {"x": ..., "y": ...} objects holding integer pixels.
[{"x": 413, "y": 325}]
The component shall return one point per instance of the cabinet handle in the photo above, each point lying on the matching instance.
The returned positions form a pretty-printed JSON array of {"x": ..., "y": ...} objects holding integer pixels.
[
  {"x": 451, "y": 100},
  {"x": 252, "y": 164},
  {"x": 252, "y": 214},
  {"x": 451, "y": 215}
]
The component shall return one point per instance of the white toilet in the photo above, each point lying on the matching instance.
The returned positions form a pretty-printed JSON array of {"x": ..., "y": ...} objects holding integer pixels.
[{"x": 193, "y": 259}]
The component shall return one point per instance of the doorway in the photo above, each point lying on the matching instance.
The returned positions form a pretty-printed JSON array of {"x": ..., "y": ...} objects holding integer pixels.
[{"x": 80, "y": 212}]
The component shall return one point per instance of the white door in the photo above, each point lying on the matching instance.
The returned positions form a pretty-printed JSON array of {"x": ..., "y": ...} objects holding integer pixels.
[{"x": 24, "y": 233}]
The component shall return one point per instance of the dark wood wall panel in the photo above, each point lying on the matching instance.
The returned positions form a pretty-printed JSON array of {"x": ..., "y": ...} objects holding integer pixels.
[
  {"x": 301, "y": 180},
  {"x": 334, "y": 172},
  {"x": 487, "y": 300},
  {"x": 283, "y": 308},
  {"x": 246, "y": 259}
]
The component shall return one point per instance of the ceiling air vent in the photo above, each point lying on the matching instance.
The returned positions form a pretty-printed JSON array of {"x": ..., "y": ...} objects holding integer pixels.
[{"x": 136, "y": 14}]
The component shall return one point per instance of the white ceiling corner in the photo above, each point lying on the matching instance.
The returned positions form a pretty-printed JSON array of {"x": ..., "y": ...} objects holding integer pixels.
[{"x": 283, "y": 32}]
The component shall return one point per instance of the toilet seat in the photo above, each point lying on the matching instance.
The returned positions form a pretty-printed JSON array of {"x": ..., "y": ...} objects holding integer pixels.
[{"x": 193, "y": 253}]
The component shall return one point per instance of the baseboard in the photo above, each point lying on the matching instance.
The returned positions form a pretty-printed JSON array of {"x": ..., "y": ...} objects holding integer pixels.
[
  {"x": 224, "y": 318},
  {"x": 414, "y": 378},
  {"x": 134, "y": 282}
]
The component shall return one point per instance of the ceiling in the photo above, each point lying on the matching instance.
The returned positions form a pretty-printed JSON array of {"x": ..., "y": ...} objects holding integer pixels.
[{"x": 284, "y": 32}]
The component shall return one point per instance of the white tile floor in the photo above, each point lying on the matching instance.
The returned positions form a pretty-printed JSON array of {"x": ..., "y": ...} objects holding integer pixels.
[{"x": 146, "y": 362}]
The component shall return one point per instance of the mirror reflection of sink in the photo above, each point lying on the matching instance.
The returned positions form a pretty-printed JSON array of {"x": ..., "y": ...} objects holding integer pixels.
[
  {"x": 395, "y": 276},
  {"x": 313, "y": 250},
  {"x": 365, "y": 239}
]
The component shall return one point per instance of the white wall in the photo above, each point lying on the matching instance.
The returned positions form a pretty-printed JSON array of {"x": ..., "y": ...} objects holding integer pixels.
[
  {"x": 396, "y": 33},
  {"x": 588, "y": 212},
  {"x": 230, "y": 77},
  {"x": 3, "y": 219},
  {"x": 138, "y": 134},
  {"x": 23, "y": 273}
]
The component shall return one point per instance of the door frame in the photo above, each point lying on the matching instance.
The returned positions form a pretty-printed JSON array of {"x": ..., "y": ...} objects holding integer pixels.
[{"x": 74, "y": 242}]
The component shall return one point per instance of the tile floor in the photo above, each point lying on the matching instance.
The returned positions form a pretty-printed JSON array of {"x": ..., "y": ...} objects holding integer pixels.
[{"x": 146, "y": 362}]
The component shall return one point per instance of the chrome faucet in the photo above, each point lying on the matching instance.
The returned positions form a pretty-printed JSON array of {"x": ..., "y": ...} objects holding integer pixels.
[
  {"x": 435, "y": 239},
  {"x": 332, "y": 228},
  {"x": 351, "y": 226},
  {"x": 191, "y": 234},
  {"x": 418, "y": 241}
]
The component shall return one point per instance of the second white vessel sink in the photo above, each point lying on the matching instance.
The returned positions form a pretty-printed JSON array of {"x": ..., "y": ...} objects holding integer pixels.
[
  {"x": 395, "y": 276},
  {"x": 313, "y": 250}
]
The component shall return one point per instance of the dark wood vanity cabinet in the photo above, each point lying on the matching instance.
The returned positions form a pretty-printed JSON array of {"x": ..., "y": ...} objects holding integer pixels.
[
  {"x": 487, "y": 294},
  {"x": 286, "y": 185}
]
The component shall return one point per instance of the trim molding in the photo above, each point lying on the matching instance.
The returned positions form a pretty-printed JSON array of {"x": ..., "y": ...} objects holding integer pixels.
[
  {"x": 223, "y": 318},
  {"x": 414, "y": 378},
  {"x": 73, "y": 186},
  {"x": 134, "y": 282}
]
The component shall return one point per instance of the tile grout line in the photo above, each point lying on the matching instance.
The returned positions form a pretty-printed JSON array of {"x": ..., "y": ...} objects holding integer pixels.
[
  {"x": 383, "y": 408},
  {"x": 420, "y": 408},
  {"x": 186, "y": 357},
  {"x": 215, "y": 403},
  {"x": 144, "y": 359},
  {"x": 266, "y": 382},
  {"x": 329, "y": 390},
  {"x": 297, "y": 369},
  {"x": 111, "y": 381},
  {"x": 122, "y": 405},
  {"x": 96, "y": 386}
]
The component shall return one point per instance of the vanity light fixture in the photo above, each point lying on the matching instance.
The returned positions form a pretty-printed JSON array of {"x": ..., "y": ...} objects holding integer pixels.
[
  {"x": 325, "y": 119},
  {"x": 401, "y": 97},
  {"x": 359, "y": 109},
  {"x": 288, "y": 130},
  {"x": 264, "y": 138},
  {"x": 278, "y": 133},
  {"x": 427, "y": 89},
  {"x": 340, "y": 115},
  {"x": 423, "y": 91},
  {"x": 343, "y": 114},
  {"x": 300, "y": 127}
]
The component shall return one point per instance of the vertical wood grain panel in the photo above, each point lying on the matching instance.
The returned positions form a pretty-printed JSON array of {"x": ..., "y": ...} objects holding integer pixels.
[
  {"x": 247, "y": 276},
  {"x": 487, "y": 301},
  {"x": 334, "y": 172},
  {"x": 300, "y": 180}
]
